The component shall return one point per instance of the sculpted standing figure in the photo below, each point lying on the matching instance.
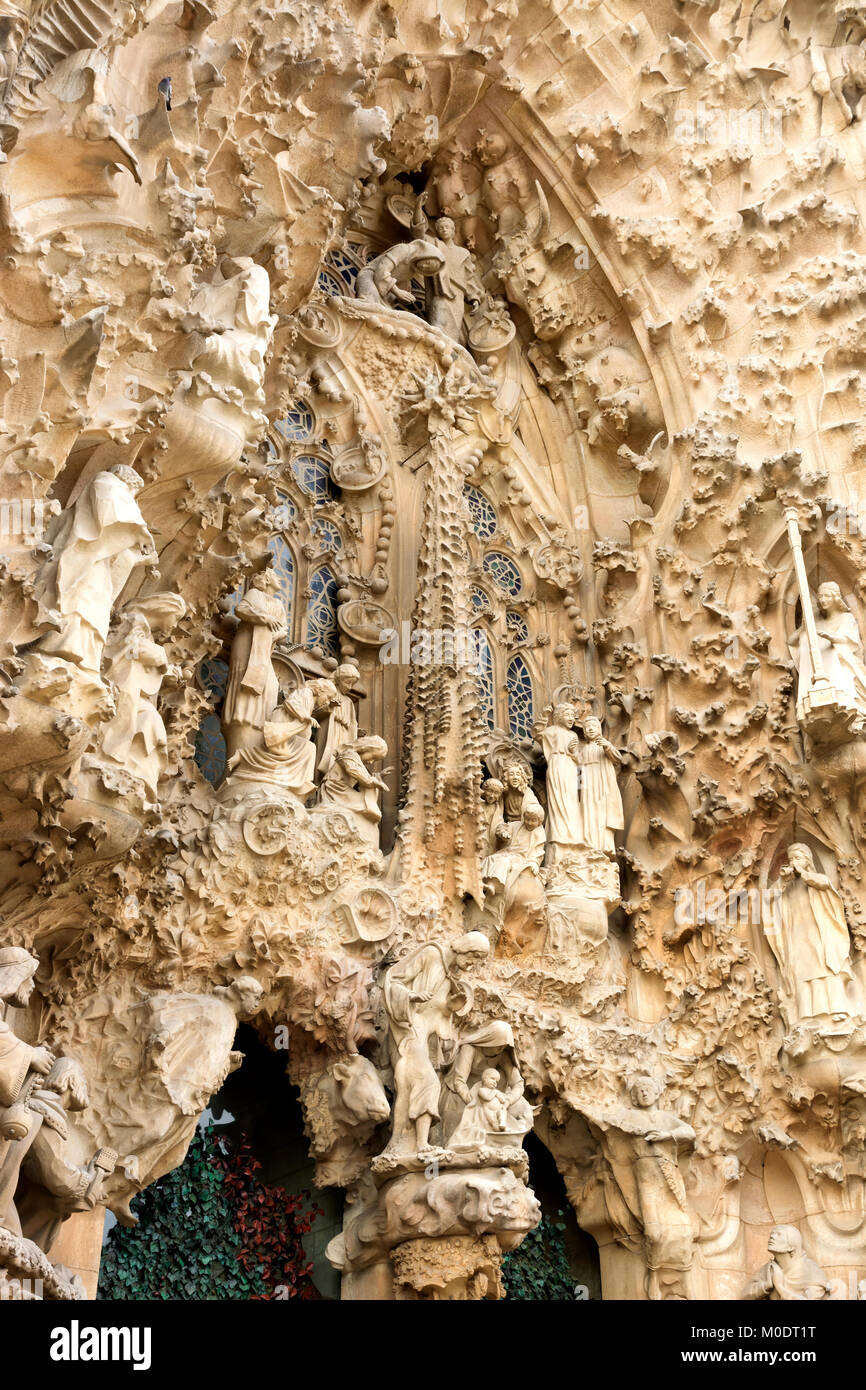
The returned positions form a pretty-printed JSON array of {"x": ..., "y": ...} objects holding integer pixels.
[
  {"x": 253, "y": 691},
  {"x": 18, "y": 1064},
  {"x": 601, "y": 803},
  {"x": 840, "y": 647},
  {"x": 422, "y": 994},
  {"x": 456, "y": 284},
  {"x": 135, "y": 738},
  {"x": 809, "y": 937},
  {"x": 789, "y": 1276},
  {"x": 97, "y": 543},
  {"x": 644, "y": 1189},
  {"x": 562, "y": 752}
]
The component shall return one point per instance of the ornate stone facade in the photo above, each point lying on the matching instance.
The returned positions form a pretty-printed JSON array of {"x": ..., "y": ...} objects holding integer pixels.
[{"x": 431, "y": 622}]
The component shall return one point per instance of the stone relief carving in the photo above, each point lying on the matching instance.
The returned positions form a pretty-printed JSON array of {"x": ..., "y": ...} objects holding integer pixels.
[{"x": 612, "y": 425}]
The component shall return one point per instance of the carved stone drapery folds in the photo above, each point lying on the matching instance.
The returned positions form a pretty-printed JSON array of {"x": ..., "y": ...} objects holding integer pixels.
[{"x": 432, "y": 599}]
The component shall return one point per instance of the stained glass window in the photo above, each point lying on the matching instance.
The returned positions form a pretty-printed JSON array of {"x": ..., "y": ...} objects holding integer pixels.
[
  {"x": 479, "y": 600},
  {"x": 484, "y": 677},
  {"x": 517, "y": 627},
  {"x": 284, "y": 567},
  {"x": 503, "y": 572},
  {"x": 322, "y": 629},
  {"x": 345, "y": 268},
  {"x": 519, "y": 685},
  {"x": 331, "y": 284},
  {"x": 298, "y": 424},
  {"x": 314, "y": 477},
  {"x": 482, "y": 512},
  {"x": 210, "y": 746},
  {"x": 327, "y": 534}
]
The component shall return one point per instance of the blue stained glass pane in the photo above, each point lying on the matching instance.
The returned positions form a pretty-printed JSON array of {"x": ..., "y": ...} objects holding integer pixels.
[
  {"x": 517, "y": 626},
  {"x": 328, "y": 535},
  {"x": 503, "y": 572},
  {"x": 214, "y": 675},
  {"x": 210, "y": 748},
  {"x": 479, "y": 600},
  {"x": 314, "y": 478},
  {"x": 298, "y": 424},
  {"x": 345, "y": 267},
  {"x": 482, "y": 512},
  {"x": 322, "y": 629},
  {"x": 485, "y": 679},
  {"x": 519, "y": 685},
  {"x": 284, "y": 567},
  {"x": 330, "y": 283}
]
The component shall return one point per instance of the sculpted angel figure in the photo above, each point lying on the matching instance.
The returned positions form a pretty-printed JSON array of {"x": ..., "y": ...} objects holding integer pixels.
[
  {"x": 808, "y": 935},
  {"x": 841, "y": 650}
]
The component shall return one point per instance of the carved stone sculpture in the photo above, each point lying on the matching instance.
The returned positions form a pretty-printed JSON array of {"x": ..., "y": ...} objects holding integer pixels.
[
  {"x": 789, "y": 1276},
  {"x": 136, "y": 664},
  {"x": 385, "y": 279},
  {"x": 809, "y": 937},
  {"x": 253, "y": 690},
  {"x": 421, "y": 995},
  {"x": 644, "y": 1188},
  {"x": 96, "y": 543},
  {"x": 284, "y": 761}
]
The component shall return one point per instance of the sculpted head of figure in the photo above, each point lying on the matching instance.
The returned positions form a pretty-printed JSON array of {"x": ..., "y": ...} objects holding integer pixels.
[
  {"x": 644, "y": 1091},
  {"x": 17, "y": 969},
  {"x": 67, "y": 1079},
  {"x": 492, "y": 789},
  {"x": 469, "y": 949},
  {"x": 346, "y": 676},
  {"x": 785, "y": 1240},
  {"x": 516, "y": 776},
  {"x": 533, "y": 817},
  {"x": 371, "y": 749},
  {"x": 801, "y": 858},
  {"x": 830, "y": 598},
  {"x": 445, "y": 228},
  {"x": 490, "y": 1077},
  {"x": 592, "y": 728},
  {"x": 564, "y": 715},
  {"x": 243, "y": 995},
  {"x": 266, "y": 581}
]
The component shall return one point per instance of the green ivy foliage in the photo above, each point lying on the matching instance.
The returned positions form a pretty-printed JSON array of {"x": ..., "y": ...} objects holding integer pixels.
[
  {"x": 538, "y": 1269},
  {"x": 211, "y": 1230}
]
